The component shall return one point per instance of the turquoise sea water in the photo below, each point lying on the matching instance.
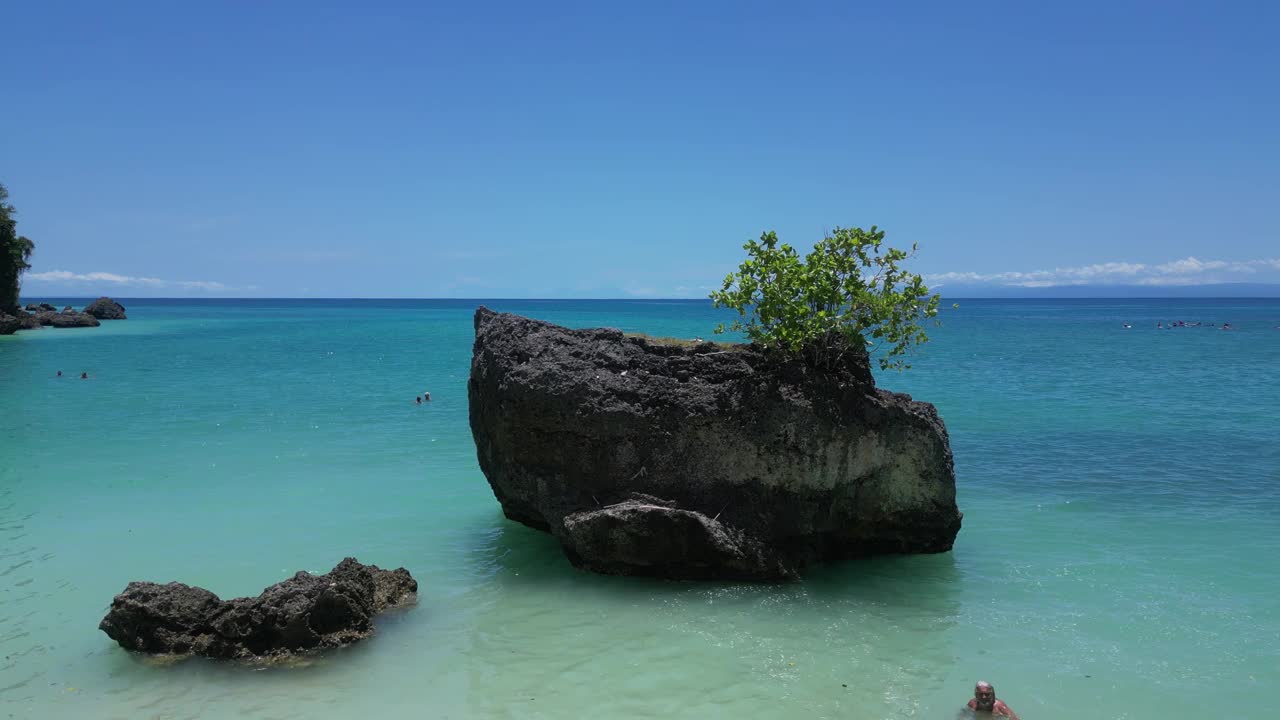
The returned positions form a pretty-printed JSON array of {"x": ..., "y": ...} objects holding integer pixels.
[{"x": 1121, "y": 491}]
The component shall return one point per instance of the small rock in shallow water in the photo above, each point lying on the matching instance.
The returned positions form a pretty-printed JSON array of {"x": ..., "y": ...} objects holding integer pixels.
[{"x": 304, "y": 613}]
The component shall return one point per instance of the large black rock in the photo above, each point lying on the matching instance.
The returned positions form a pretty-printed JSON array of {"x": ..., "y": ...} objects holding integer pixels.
[
  {"x": 703, "y": 460},
  {"x": 304, "y": 613},
  {"x": 104, "y": 308}
]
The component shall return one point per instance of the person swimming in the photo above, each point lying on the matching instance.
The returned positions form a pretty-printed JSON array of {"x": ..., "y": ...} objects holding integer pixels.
[
  {"x": 418, "y": 400},
  {"x": 426, "y": 396},
  {"x": 84, "y": 376},
  {"x": 984, "y": 701}
]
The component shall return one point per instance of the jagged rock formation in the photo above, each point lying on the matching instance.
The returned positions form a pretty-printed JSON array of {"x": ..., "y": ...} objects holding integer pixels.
[
  {"x": 68, "y": 318},
  {"x": 304, "y": 613},
  {"x": 702, "y": 460},
  {"x": 104, "y": 308},
  {"x": 44, "y": 314}
]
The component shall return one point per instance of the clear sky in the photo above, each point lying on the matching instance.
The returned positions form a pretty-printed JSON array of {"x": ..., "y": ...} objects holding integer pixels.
[{"x": 611, "y": 150}]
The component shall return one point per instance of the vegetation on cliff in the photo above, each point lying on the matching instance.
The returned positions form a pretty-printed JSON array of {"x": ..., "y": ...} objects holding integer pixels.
[
  {"x": 847, "y": 294},
  {"x": 15, "y": 251}
]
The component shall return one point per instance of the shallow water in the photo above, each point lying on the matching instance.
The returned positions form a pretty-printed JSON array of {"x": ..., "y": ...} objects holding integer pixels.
[{"x": 1119, "y": 489}]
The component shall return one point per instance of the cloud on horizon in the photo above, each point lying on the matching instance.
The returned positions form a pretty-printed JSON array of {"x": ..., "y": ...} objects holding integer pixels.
[
  {"x": 1188, "y": 271},
  {"x": 66, "y": 277}
]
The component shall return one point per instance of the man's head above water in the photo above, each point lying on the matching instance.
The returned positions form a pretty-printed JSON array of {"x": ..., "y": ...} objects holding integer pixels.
[
  {"x": 984, "y": 696},
  {"x": 984, "y": 701}
]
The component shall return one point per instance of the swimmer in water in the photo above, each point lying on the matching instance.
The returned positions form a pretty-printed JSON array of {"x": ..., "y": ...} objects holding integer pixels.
[
  {"x": 417, "y": 400},
  {"x": 984, "y": 701},
  {"x": 84, "y": 376},
  {"x": 426, "y": 396}
]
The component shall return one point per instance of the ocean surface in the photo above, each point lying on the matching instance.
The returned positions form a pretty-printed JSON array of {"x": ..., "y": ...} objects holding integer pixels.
[{"x": 1120, "y": 556}]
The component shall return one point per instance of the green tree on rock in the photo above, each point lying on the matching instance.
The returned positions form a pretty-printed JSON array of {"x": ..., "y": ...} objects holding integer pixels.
[
  {"x": 848, "y": 293},
  {"x": 15, "y": 251}
]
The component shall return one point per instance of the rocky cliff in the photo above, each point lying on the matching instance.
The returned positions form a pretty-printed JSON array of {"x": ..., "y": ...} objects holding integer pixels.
[{"x": 702, "y": 460}]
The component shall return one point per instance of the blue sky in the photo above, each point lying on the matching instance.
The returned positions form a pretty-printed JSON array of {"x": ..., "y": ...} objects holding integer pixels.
[{"x": 611, "y": 150}]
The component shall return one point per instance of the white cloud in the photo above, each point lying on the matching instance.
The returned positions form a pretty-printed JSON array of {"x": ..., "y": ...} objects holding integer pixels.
[
  {"x": 1190, "y": 265},
  {"x": 1187, "y": 271},
  {"x": 64, "y": 277}
]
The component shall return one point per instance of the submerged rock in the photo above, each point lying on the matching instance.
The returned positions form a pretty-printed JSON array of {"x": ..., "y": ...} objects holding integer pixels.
[
  {"x": 104, "y": 308},
  {"x": 647, "y": 536},
  {"x": 702, "y": 460},
  {"x": 304, "y": 613}
]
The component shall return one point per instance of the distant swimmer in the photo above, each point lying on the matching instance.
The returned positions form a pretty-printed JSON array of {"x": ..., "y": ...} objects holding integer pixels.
[
  {"x": 418, "y": 400},
  {"x": 426, "y": 396},
  {"x": 984, "y": 701},
  {"x": 1159, "y": 325},
  {"x": 59, "y": 373},
  {"x": 1127, "y": 326},
  {"x": 1226, "y": 326},
  {"x": 84, "y": 376}
]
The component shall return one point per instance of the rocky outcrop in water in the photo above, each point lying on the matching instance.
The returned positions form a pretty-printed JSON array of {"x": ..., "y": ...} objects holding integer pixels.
[
  {"x": 702, "y": 460},
  {"x": 104, "y": 308},
  {"x": 44, "y": 314},
  {"x": 68, "y": 318},
  {"x": 302, "y": 614}
]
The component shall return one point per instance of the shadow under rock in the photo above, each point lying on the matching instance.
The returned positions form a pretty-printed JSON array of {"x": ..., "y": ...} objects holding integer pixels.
[
  {"x": 508, "y": 552},
  {"x": 922, "y": 582}
]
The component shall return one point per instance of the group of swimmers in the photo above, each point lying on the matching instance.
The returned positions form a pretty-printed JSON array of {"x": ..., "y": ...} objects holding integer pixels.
[
  {"x": 1183, "y": 323},
  {"x": 424, "y": 397},
  {"x": 1160, "y": 325},
  {"x": 83, "y": 375}
]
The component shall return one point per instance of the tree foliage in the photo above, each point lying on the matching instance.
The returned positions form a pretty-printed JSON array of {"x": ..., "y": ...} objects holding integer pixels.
[
  {"x": 850, "y": 291},
  {"x": 15, "y": 251}
]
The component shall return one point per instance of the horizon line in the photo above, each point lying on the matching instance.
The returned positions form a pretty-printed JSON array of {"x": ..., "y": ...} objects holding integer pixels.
[{"x": 633, "y": 298}]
